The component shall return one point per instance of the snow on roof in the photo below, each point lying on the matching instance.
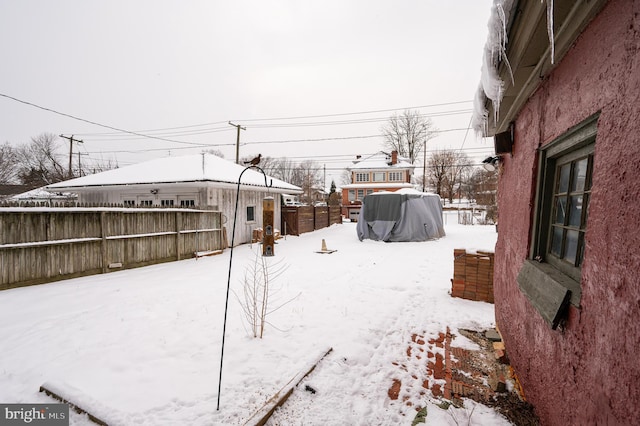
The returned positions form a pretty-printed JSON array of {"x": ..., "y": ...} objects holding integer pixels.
[
  {"x": 406, "y": 191},
  {"x": 177, "y": 169},
  {"x": 41, "y": 193},
  {"x": 491, "y": 86},
  {"x": 380, "y": 160},
  {"x": 378, "y": 185}
]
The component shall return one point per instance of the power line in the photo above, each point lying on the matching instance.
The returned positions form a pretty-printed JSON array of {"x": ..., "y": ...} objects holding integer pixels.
[
  {"x": 355, "y": 113},
  {"x": 94, "y": 122},
  {"x": 107, "y": 137},
  {"x": 114, "y": 137},
  {"x": 222, "y": 129},
  {"x": 357, "y": 121},
  {"x": 161, "y": 129}
]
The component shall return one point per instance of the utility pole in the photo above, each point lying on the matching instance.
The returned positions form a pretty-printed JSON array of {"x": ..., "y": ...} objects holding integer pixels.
[
  {"x": 79, "y": 163},
  {"x": 324, "y": 184},
  {"x": 424, "y": 165},
  {"x": 71, "y": 140},
  {"x": 237, "y": 126}
]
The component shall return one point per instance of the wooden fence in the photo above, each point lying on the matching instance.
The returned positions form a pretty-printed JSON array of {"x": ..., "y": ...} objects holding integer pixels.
[
  {"x": 44, "y": 245},
  {"x": 302, "y": 219}
]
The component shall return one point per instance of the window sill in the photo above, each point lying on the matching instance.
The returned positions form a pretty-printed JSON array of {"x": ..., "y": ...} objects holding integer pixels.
[{"x": 548, "y": 290}]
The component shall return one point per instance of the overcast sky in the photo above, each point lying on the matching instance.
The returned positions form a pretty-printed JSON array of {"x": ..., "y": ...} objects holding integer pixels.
[{"x": 192, "y": 66}]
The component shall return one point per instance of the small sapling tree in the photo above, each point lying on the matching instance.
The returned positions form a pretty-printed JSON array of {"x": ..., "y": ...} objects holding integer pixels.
[{"x": 259, "y": 296}]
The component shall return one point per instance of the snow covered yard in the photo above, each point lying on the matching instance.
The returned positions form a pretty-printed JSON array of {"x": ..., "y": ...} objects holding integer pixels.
[{"x": 142, "y": 346}]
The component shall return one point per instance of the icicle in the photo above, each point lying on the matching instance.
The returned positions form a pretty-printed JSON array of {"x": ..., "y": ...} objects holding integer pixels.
[
  {"x": 495, "y": 51},
  {"x": 550, "y": 28}
]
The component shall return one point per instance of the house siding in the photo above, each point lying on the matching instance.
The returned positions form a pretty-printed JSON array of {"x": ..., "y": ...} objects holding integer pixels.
[
  {"x": 208, "y": 198},
  {"x": 587, "y": 373}
]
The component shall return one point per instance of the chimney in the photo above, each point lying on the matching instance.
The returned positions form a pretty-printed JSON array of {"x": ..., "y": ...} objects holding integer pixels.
[
  {"x": 358, "y": 157},
  {"x": 394, "y": 157}
]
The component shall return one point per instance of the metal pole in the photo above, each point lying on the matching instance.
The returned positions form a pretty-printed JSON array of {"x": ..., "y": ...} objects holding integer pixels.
[{"x": 226, "y": 303}]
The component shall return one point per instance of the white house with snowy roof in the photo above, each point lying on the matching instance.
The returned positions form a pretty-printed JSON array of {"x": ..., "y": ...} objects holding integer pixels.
[
  {"x": 202, "y": 181},
  {"x": 381, "y": 171}
]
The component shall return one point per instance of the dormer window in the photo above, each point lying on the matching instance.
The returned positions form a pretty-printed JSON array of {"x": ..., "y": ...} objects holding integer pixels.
[
  {"x": 395, "y": 176},
  {"x": 379, "y": 176},
  {"x": 362, "y": 177}
]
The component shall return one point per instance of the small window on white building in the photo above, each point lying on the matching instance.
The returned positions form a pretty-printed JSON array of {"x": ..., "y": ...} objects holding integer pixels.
[
  {"x": 166, "y": 203},
  {"x": 187, "y": 203},
  {"x": 146, "y": 203},
  {"x": 251, "y": 213},
  {"x": 129, "y": 203}
]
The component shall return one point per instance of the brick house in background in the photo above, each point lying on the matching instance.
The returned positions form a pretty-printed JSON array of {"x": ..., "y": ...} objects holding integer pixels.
[
  {"x": 378, "y": 172},
  {"x": 566, "y": 283}
]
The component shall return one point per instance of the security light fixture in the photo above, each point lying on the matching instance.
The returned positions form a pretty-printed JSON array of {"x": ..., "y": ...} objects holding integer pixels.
[
  {"x": 490, "y": 163},
  {"x": 154, "y": 191}
]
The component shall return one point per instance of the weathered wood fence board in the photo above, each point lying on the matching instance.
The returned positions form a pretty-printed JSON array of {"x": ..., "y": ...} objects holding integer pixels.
[
  {"x": 302, "y": 219},
  {"x": 40, "y": 245}
]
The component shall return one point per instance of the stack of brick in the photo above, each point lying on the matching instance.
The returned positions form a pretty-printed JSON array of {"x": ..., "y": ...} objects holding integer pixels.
[{"x": 472, "y": 275}]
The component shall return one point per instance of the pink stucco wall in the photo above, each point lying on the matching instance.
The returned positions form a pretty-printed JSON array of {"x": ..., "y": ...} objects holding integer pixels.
[{"x": 588, "y": 373}]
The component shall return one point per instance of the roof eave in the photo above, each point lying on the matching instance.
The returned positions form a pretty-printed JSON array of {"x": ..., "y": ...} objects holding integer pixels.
[
  {"x": 529, "y": 53},
  {"x": 218, "y": 184}
]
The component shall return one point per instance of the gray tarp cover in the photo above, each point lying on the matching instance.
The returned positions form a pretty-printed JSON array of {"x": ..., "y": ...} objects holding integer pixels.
[{"x": 400, "y": 217}]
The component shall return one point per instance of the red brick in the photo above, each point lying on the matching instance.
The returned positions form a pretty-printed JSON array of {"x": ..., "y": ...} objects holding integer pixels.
[{"x": 394, "y": 390}]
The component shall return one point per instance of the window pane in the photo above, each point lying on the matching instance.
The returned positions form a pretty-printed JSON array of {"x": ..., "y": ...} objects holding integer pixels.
[
  {"x": 580, "y": 249},
  {"x": 352, "y": 195},
  {"x": 579, "y": 175},
  {"x": 563, "y": 181},
  {"x": 575, "y": 210},
  {"x": 571, "y": 246},
  {"x": 585, "y": 204},
  {"x": 561, "y": 208},
  {"x": 556, "y": 241}
]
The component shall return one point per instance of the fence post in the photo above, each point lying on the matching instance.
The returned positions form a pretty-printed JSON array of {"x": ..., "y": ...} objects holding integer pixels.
[
  {"x": 103, "y": 244},
  {"x": 178, "y": 226}
]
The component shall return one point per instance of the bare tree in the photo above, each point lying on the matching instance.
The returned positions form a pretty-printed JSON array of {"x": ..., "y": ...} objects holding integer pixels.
[
  {"x": 215, "y": 152},
  {"x": 345, "y": 177},
  {"x": 98, "y": 166},
  {"x": 283, "y": 169},
  {"x": 445, "y": 171},
  {"x": 482, "y": 188},
  {"x": 8, "y": 164},
  {"x": 408, "y": 134},
  {"x": 279, "y": 168},
  {"x": 259, "y": 294},
  {"x": 308, "y": 176},
  {"x": 41, "y": 161}
]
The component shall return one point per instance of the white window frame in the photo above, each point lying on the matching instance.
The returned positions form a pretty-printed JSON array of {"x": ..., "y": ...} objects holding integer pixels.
[
  {"x": 362, "y": 176},
  {"x": 253, "y": 210},
  {"x": 379, "y": 176},
  {"x": 396, "y": 176}
]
